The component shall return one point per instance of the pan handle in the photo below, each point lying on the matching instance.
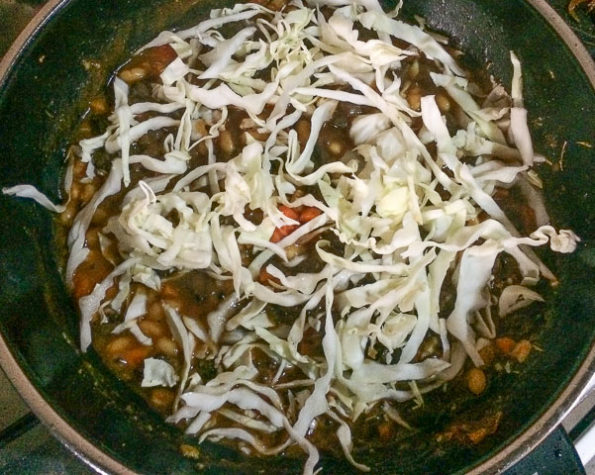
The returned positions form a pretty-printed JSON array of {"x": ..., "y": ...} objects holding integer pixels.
[
  {"x": 583, "y": 433},
  {"x": 564, "y": 452},
  {"x": 585, "y": 438},
  {"x": 555, "y": 454}
]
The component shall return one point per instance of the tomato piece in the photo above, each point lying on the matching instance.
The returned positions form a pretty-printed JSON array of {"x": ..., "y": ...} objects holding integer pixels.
[
  {"x": 92, "y": 271},
  {"x": 148, "y": 64},
  {"x": 308, "y": 214}
]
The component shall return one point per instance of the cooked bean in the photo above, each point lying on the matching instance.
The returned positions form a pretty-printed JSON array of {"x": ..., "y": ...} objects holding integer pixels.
[
  {"x": 162, "y": 398},
  {"x": 100, "y": 216},
  {"x": 303, "y": 132},
  {"x": 75, "y": 191},
  {"x": 119, "y": 345},
  {"x": 99, "y": 106},
  {"x": 226, "y": 142},
  {"x": 413, "y": 70},
  {"x": 92, "y": 237},
  {"x": 167, "y": 346},
  {"x": 132, "y": 75},
  {"x": 487, "y": 354},
  {"x": 476, "y": 381},
  {"x": 67, "y": 216},
  {"x": 200, "y": 127},
  {"x": 414, "y": 98},
  {"x": 336, "y": 148},
  {"x": 85, "y": 129},
  {"x": 151, "y": 328},
  {"x": 87, "y": 192},
  {"x": 443, "y": 102},
  {"x": 262, "y": 136},
  {"x": 79, "y": 169},
  {"x": 155, "y": 311}
]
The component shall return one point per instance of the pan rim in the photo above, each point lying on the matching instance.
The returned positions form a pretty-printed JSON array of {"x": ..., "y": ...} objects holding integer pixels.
[
  {"x": 102, "y": 462},
  {"x": 73, "y": 440}
]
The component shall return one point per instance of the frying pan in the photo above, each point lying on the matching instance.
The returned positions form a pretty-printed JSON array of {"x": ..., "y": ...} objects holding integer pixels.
[{"x": 65, "y": 58}]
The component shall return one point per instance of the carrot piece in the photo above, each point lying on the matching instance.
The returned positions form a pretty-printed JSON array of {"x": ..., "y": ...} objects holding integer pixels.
[
  {"x": 289, "y": 212},
  {"x": 92, "y": 271},
  {"x": 277, "y": 235},
  {"x": 505, "y": 344},
  {"x": 280, "y": 233},
  {"x": 385, "y": 431},
  {"x": 135, "y": 356},
  {"x": 308, "y": 214},
  {"x": 265, "y": 278},
  {"x": 521, "y": 350}
]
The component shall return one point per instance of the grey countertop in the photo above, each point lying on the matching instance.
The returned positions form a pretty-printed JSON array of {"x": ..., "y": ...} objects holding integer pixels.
[{"x": 37, "y": 451}]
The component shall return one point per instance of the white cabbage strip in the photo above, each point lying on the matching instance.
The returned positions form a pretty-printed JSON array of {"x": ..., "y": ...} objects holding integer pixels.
[{"x": 404, "y": 213}]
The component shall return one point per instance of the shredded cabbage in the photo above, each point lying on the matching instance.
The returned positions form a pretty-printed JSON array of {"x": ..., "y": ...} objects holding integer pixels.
[{"x": 409, "y": 206}]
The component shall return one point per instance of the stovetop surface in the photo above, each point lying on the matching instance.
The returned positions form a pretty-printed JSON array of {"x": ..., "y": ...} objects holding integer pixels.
[{"x": 35, "y": 450}]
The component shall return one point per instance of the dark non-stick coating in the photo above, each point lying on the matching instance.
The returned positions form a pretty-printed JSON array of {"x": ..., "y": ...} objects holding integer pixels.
[{"x": 69, "y": 60}]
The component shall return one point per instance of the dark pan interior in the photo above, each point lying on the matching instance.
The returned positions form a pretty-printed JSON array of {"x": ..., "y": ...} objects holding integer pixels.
[{"x": 41, "y": 102}]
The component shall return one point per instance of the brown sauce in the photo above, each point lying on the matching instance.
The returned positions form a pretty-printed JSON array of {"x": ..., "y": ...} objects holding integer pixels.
[{"x": 195, "y": 294}]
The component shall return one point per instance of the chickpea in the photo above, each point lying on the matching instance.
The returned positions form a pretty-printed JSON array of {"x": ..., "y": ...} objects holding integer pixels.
[
  {"x": 75, "y": 191},
  {"x": 167, "y": 346},
  {"x": 487, "y": 354},
  {"x": 476, "y": 381},
  {"x": 99, "y": 106},
  {"x": 118, "y": 345},
  {"x": 200, "y": 127},
  {"x": 85, "y": 128},
  {"x": 413, "y": 70},
  {"x": 152, "y": 328},
  {"x": 155, "y": 311},
  {"x": 414, "y": 98},
  {"x": 100, "y": 217},
  {"x": 79, "y": 169},
  {"x": 162, "y": 398},
  {"x": 132, "y": 75},
  {"x": 92, "y": 237},
  {"x": 67, "y": 216},
  {"x": 335, "y": 148},
  {"x": 443, "y": 102},
  {"x": 303, "y": 132},
  {"x": 226, "y": 142},
  {"x": 87, "y": 192}
]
